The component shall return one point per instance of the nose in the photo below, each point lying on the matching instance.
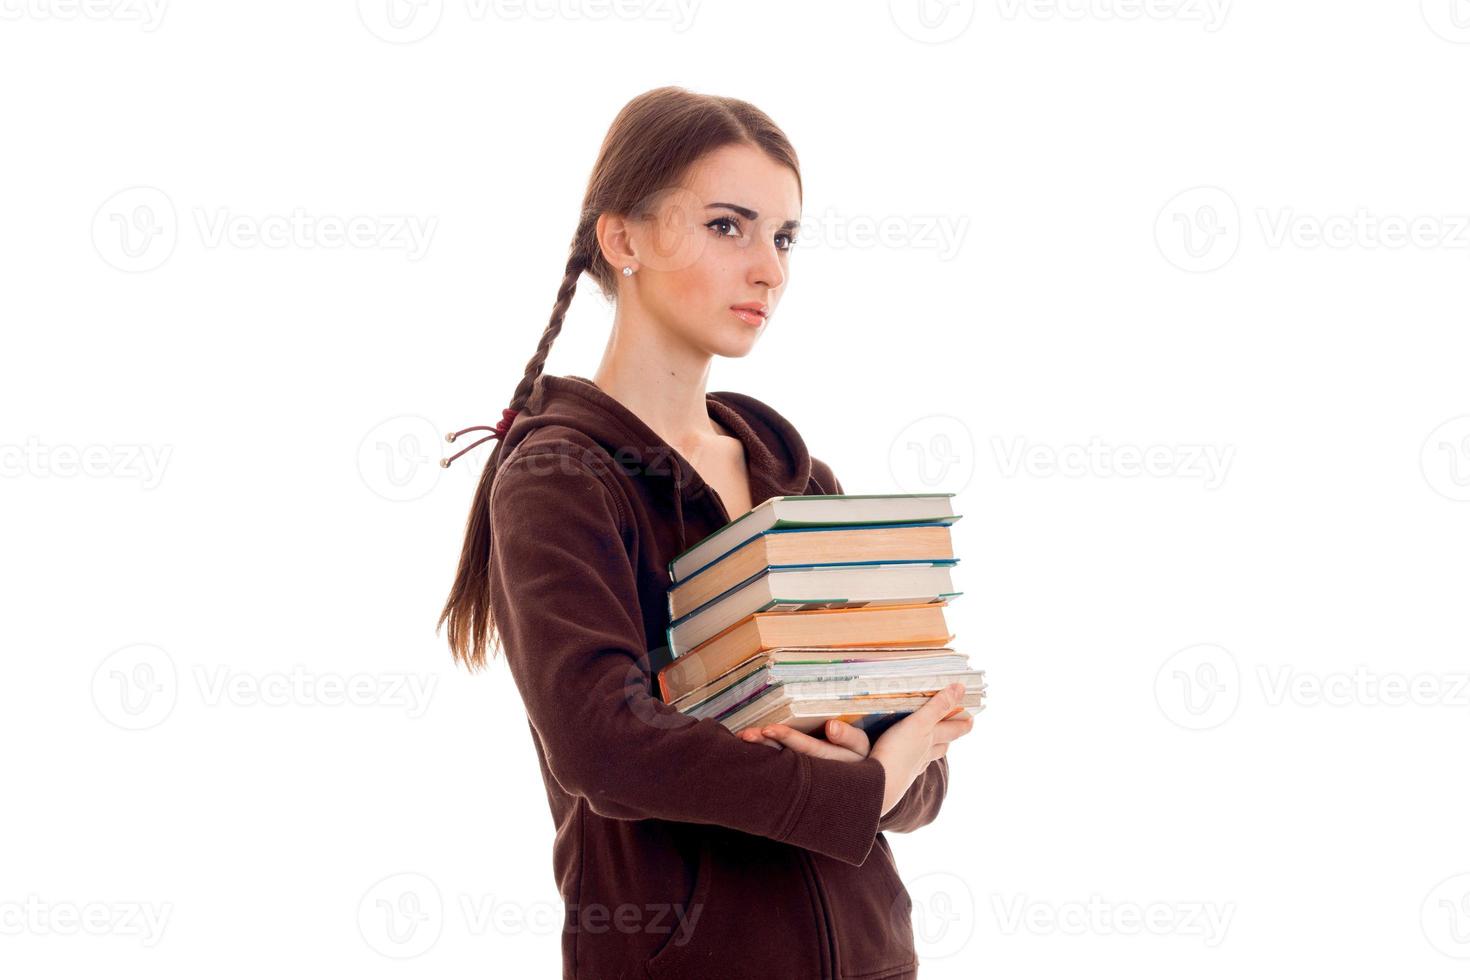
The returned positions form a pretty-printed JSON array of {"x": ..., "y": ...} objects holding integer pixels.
[{"x": 765, "y": 267}]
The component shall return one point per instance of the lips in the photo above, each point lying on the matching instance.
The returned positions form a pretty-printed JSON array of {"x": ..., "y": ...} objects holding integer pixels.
[{"x": 752, "y": 313}]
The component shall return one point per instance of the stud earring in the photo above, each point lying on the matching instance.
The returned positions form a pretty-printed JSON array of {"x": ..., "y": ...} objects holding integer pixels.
[{"x": 627, "y": 270}]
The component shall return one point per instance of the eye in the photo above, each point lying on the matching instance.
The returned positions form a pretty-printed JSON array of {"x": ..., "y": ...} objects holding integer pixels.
[
  {"x": 733, "y": 224},
  {"x": 725, "y": 221}
]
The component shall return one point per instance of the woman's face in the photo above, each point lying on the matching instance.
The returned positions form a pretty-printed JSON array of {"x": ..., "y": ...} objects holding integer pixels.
[{"x": 721, "y": 240}]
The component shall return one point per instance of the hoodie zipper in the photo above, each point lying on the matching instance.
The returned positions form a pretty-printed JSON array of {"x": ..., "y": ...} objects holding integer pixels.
[
  {"x": 711, "y": 494},
  {"x": 814, "y": 882}
]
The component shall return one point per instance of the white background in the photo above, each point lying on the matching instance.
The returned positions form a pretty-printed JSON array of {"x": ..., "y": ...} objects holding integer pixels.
[{"x": 1044, "y": 242}]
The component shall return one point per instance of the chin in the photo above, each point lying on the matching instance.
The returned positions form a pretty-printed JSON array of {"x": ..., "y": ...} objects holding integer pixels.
[
  {"x": 734, "y": 346},
  {"x": 724, "y": 342}
]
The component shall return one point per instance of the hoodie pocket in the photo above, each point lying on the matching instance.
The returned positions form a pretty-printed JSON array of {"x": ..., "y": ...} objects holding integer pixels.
[
  {"x": 684, "y": 925},
  {"x": 751, "y": 915},
  {"x": 870, "y": 912}
]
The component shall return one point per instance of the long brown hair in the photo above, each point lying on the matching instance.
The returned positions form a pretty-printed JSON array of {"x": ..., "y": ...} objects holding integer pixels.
[{"x": 650, "y": 147}]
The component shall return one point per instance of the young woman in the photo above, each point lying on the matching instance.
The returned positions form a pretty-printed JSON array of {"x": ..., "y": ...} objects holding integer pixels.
[{"x": 681, "y": 849}]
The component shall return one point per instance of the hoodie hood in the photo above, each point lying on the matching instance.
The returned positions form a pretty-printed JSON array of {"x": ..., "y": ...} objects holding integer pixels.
[{"x": 775, "y": 454}]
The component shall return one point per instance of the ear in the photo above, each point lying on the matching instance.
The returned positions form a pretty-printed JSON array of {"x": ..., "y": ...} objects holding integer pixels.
[{"x": 615, "y": 240}]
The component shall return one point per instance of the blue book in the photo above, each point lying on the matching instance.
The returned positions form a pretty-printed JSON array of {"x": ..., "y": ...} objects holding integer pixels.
[{"x": 813, "y": 510}]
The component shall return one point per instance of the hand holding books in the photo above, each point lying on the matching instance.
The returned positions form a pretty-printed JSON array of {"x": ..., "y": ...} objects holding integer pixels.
[
  {"x": 840, "y": 740},
  {"x": 907, "y": 747},
  {"x": 818, "y": 607}
]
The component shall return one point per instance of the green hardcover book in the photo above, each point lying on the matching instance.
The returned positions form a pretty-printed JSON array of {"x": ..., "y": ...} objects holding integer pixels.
[{"x": 814, "y": 510}]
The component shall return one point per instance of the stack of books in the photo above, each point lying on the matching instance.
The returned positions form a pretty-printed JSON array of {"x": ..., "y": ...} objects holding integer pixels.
[{"x": 809, "y": 608}]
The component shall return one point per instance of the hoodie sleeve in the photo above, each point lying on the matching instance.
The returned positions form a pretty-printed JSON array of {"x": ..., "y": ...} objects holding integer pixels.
[
  {"x": 565, "y": 597},
  {"x": 920, "y": 805}
]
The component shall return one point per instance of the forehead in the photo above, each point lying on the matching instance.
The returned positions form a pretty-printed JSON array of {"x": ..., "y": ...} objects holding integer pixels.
[{"x": 744, "y": 175}]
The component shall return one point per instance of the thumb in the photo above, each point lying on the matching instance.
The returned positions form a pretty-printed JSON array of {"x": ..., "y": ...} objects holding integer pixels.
[{"x": 941, "y": 704}]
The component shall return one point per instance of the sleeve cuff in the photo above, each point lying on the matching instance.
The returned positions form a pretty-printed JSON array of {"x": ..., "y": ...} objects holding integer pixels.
[{"x": 838, "y": 814}]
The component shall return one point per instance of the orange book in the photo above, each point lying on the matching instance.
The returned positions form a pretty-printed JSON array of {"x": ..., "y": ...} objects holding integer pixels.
[{"x": 915, "y": 624}]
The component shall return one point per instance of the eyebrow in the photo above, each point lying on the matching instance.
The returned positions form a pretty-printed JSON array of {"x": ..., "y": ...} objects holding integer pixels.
[{"x": 750, "y": 215}]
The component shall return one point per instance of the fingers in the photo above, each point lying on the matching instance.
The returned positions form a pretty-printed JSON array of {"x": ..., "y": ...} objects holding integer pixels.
[
  {"x": 953, "y": 728},
  {"x": 845, "y": 735},
  {"x": 754, "y": 735},
  {"x": 801, "y": 742},
  {"x": 921, "y": 722},
  {"x": 848, "y": 749}
]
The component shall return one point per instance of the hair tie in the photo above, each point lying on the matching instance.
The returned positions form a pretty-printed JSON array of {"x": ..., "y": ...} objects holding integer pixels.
[{"x": 501, "y": 428}]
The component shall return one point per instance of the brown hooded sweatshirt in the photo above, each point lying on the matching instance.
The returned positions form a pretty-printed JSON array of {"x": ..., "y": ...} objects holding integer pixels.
[{"x": 681, "y": 851}]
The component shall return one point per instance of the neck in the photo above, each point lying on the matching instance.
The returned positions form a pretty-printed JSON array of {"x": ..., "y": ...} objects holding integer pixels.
[{"x": 659, "y": 380}]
